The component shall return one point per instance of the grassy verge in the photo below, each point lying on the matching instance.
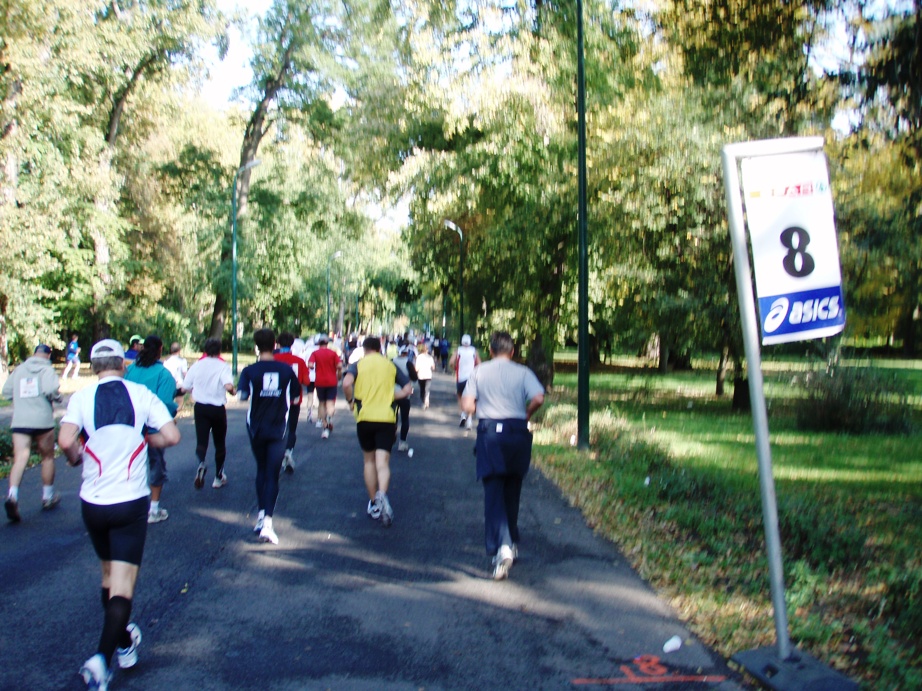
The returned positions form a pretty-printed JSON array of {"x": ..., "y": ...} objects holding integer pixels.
[{"x": 672, "y": 479}]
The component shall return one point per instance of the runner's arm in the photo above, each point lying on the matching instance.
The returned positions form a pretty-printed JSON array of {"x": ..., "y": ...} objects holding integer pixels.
[{"x": 70, "y": 443}]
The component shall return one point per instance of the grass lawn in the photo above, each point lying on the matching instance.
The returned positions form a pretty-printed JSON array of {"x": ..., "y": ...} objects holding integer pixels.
[{"x": 672, "y": 478}]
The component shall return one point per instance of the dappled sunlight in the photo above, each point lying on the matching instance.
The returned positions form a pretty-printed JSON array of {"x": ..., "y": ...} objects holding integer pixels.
[{"x": 846, "y": 475}]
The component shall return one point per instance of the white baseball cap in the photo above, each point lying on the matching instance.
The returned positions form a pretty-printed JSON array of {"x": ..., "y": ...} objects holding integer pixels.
[
  {"x": 466, "y": 339},
  {"x": 107, "y": 347}
]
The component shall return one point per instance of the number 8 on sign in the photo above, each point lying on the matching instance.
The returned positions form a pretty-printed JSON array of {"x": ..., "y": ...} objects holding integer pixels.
[
  {"x": 794, "y": 247},
  {"x": 797, "y": 262}
]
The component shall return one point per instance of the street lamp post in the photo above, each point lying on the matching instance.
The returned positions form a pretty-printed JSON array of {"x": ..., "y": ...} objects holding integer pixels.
[
  {"x": 252, "y": 164},
  {"x": 337, "y": 253},
  {"x": 453, "y": 226}
]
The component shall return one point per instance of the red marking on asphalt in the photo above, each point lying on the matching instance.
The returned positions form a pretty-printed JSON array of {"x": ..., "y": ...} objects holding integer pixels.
[{"x": 647, "y": 669}]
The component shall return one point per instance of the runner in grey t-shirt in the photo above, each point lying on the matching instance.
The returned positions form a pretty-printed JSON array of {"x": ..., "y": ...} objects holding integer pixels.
[{"x": 504, "y": 395}]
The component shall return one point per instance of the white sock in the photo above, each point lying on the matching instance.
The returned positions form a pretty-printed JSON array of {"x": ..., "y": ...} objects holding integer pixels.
[
  {"x": 47, "y": 491},
  {"x": 154, "y": 506},
  {"x": 267, "y": 522},
  {"x": 14, "y": 493},
  {"x": 261, "y": 515}
]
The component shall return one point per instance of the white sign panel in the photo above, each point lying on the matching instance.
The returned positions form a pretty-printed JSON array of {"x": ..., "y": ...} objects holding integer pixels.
[{"x": 795, "y": 252}]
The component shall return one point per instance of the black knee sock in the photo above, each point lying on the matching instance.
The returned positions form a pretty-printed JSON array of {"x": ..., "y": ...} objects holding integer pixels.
[
  {"x": 105, "y": 598},
  {"x": 114, "y": 634}
]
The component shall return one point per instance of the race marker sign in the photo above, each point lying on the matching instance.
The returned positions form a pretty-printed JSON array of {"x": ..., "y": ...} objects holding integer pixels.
[{"x": 795, "y": 252}]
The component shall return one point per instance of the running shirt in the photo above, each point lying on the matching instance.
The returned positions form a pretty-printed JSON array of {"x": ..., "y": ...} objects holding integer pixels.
[
  {"x": 72, "y": 349},
  {"x": 425, "y": 366},
  {"x": 375, "y": 378},
  {"x": 271, "y": 387},
  {"x": 325, "y": 363},
  {"x": 112, "y": 415},
  {"x": 300, "y": 369},
  {"x": 177, "y": 366},
  {"x": 205, "y": 380},
  {"x": 467, "y": 359},
  {"x": 502, "y": 389}
]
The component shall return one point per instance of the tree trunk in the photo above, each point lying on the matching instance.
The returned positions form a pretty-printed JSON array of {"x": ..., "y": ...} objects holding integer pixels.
[
  {"x": 121, "y": 98},
  {"x": 663, "y": 354},
  {"x": 218, "y": 317},
  {"x": 722, "y": 371},
  {"x": 255, "y": 131},
  {"x": 741, "y": 401},
  {"x": 539, "y": 363}
]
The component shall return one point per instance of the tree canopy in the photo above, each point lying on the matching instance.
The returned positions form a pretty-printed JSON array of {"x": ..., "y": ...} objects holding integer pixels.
[{"x": 117, "y": 180}]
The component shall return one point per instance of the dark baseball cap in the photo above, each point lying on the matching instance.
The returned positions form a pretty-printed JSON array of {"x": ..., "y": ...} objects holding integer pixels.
[{"x": 42, "y": 348}]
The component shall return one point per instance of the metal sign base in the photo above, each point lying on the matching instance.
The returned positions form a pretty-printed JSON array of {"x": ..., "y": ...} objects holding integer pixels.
[{"x": 799, "y": 672}]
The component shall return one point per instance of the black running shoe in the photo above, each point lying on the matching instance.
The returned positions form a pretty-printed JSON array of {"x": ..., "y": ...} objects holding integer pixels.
[{"x": 12, "y": 510}]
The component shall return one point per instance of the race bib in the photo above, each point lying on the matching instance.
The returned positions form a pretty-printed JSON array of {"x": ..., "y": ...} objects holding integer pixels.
[{"x": 29, "y": 388}]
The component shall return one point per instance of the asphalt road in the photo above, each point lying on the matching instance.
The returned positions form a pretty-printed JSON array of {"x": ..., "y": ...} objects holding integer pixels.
[{"x": 342, "y": 602}]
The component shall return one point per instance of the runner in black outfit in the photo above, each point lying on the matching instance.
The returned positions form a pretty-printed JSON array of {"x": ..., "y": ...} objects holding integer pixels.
[{"x": 271, "y": 386}]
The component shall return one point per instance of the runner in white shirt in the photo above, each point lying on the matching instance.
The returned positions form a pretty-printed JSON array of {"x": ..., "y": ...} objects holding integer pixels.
[
  {"x": 103, "y": 429},
  {"x": 463, "y": 363},
  {"x": 209, "y": 381}
]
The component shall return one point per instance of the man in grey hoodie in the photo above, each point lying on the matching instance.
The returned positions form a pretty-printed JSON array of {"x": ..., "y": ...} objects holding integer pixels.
[{"x": 34, "y": 388}]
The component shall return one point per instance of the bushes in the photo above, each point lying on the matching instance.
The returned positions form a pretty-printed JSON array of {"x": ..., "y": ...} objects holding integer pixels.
[
  {"x": 6, "y": 451},
  {"x": 6, "y": 446},
  {"x": 857, "y": 400}
]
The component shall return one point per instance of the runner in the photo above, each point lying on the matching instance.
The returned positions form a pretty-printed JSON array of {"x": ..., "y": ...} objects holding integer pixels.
[
  {"x": 73, "y": 357},
  {"x": 103, "y": 429},
  {"x": 33, "y": 386},
  {"x": 285, "y": 354},
  {"x": 463, "y": 363},
  {"x": 370, "y": 388},
  {"x": 270, "y": 387},
  {"x": 209, "y": 381},
  {"x": 150, "y": 372},
  {"x": 327, "y": 367},
  {"x": 505, "y": 395}
]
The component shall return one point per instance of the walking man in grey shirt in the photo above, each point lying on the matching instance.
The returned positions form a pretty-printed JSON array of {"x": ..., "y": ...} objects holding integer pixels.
[{"x": 504, "y": 395}]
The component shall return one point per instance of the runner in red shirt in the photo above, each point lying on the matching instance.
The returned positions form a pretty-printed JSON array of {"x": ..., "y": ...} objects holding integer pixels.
[
  {"x": 327, "y": 368},
  {"x": 284, "y": 354}
]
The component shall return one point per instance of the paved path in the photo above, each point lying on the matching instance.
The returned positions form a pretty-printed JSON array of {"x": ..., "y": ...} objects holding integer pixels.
[{"x": 343, "y": 603}]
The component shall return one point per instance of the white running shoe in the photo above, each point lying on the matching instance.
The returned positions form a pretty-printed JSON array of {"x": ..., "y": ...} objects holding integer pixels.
[
  {"x": 219, "y": 480},
  {"x": 288, "y": 463},
  {"x": 259, "y": 526},
  {"x": 326, "y": 433},
  {"x": 267, "y": 534},
  {"x": 158, "y": 515},
  {"x": 387, "y": 513},
  {"x": 319, "y": 424},
  {"x": 374, "y": 510},
  {"x": 502, "y": 562},
  {"x": 128, "y": 657},
  {"x": 402, "y": 446},
  {"x": 95, "y": 673}
]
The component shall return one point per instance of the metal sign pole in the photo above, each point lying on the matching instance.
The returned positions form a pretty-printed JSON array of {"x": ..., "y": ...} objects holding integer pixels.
[
  {"x": 757, "y": 398},
  {"x": 785, "y": 669}
]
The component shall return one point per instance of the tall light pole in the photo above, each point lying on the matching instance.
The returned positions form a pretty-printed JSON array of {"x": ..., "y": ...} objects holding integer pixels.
[
  {"x": 453, "y": 226},
  {"x": 252, "y": 164},
  {"x": 337, "y": 253}
]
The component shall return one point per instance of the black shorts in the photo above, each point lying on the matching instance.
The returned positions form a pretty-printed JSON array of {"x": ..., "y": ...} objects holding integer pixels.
[
  {"x": 31, "y": 431},
  {"x": 326, "y": 394},
  {"x": 374, "y": 436},
  {"x": 117, "y": 531},
  {"x": 460, "y": 387}
]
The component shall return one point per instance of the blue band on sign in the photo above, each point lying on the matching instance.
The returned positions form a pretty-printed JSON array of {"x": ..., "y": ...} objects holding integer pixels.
[{"x": 801, "y": 316}]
